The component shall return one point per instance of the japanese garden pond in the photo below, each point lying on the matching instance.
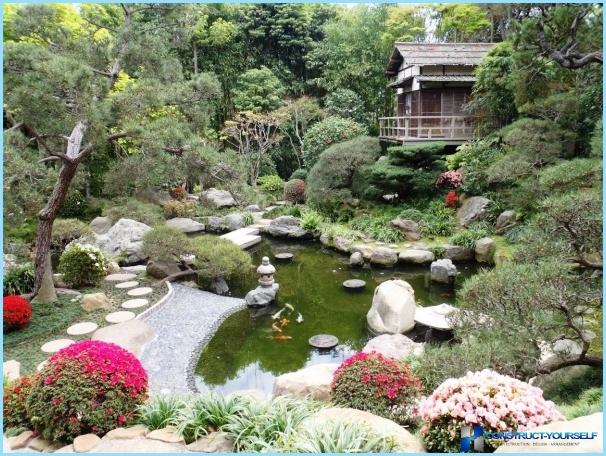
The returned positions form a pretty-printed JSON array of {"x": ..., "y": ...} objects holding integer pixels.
[{"x": 245, "y": 353}]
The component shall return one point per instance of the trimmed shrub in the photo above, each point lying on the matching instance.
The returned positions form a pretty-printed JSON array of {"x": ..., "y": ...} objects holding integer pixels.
[
  {"x": 299, "y": 174},
  {"x": 345, "y": 103},
  {"x": 451, "y": 199},
  {"x": 376, "y": 384},
  {"x": 148, "y": 213},
  {"x": 294, "y": 191},
  {"x": 15, "y": 394},
  {"x": 175, "y": 208},
  {"x": 271, "y": 183},
  {"x": 496, "y": 402},
  {"x": 450, "y": 179},
  {"x": 331, "y": 182},
  {"x": 327, "y": 132},
  {"x": 82, "y": 265},
  {"x": 19, "y": 280},
  {"x": 279, "y": 211},
  {"x": 165, "y": 243},
  {"x": 68, "y": 230},
  {"x": 178, "y": 192},
  {"x": 88, "y": 387},
  {"x": 219, "y": 258},
  {"x": 17, "y": 312}
]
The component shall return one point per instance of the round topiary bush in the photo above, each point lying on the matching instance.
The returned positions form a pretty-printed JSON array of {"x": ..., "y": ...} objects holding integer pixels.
[
  {"x": 14, "y": 395},
  {"x": 327, "y": 132},
  {"x": 90, "y": 386},
  {"x": 219, "y": 258},
  {"x": 82, "y": 265},
  {"x": 300, "y": 173},
  {"x": 377, "y": 384},
  {"x": 17, "y": 312},
  {"x": 496, "y": 402},
  {"x": 294, "y": 191}
]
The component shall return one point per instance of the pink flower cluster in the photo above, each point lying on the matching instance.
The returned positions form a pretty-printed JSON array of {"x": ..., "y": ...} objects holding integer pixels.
[
  {"x": 108, "y": 363},
  {"x": 495, "y": 401},
  {"x": 450, "y": 179}
]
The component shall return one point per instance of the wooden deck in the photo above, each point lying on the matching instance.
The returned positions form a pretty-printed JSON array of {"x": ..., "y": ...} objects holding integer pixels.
[{"x": 417, "y": 129}]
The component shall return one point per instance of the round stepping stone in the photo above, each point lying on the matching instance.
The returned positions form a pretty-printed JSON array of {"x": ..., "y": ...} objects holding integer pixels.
[
  {"x": 41, "y": 365},
  {"x": 56, "y": 345},
  {"x": 130, "y": 284},
  {"x": 120, "y": 277},
  {"x": 79, "y": 329},
  {"x": 285, "y": 256},
  {"x": 119, "y": 317},
  {"x": 135, "y": 303},
  {"x": 354, "y": 284},
  {"x": 142, "y": 291},
  {"x": 323, "y": 341}
]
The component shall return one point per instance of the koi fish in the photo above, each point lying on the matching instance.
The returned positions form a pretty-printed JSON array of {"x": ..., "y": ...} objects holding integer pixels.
[
  {"x": 284, "y": 322},
  {"x": 299, "y": 318},
  {"x": 276, "y": 328},
  {"x": 277, "y": 314},
  {"x": 289, "y": 306},
  {"x": 281, "y": 337}
]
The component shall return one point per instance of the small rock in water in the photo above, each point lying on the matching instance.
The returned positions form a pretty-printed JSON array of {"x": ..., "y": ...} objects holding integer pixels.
[
  {"x": 354, "y": 284},
  {"x": 285, "y": 256},
  {"x": 323, "y": 341}
]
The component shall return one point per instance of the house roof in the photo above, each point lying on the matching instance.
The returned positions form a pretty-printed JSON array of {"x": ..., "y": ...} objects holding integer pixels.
[
  {"x": 436, "y": 54},
  {"x": 434, "y": 78}
]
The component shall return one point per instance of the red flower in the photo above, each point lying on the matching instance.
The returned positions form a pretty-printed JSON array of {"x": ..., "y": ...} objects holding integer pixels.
[
  {"x": 17, "y": 312},
  {"x": 451, "y": 200}
]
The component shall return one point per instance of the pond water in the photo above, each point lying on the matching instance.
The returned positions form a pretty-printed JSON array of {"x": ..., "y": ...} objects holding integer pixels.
[{"x": 245, "y": 354}]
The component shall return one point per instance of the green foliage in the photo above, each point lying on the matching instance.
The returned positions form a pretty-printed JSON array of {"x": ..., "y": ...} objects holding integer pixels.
[
  {"x": 258, "y": 90},
  {"x": 327, "y": 132},
  {"x": 596, "y": 140},
  {"x": 571, "y": 175},
  {"x": 219, "y": 258},
  {"x": 279, "y": 211},
  {"x": 467, "y": 238},
  {"x": 565, "y": 387},
  {"x": 67, "y": 230},
  {"x": 331, "y": 181},
  {"x": 311, "y": 221},
  {"x": 82, "y": 265},
  {"x": 588, "y": 403},
  {"x": 378, "y": 228},
  {"x": 333, "y": 230},
  {"x": 460, "y": 22},
  {"x": 271, "y": 184},
  {"x": 160, "y": 411},
  {"x": 164, "y": 243},
  {"x": 74, "y": 205},
  {"x": 300, "y": 173},
  {"x": 294, "y": 191},
  {"x": 174, "y": 208},
  {"x": 560, "y": 108},
  {"x": 148, "y": 213},
  {"x": 247, "y": 218},
  {"x": 345, "y": 103},
  {"x": 438, "y": 220},
  {"x": 18, "y": 280},
  {"x": 473, "y": 158},
  {"x": 14, "y": 411}
]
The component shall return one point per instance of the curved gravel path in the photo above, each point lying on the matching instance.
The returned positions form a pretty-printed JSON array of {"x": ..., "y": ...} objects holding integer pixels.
[{"x": 184, "y": 323}]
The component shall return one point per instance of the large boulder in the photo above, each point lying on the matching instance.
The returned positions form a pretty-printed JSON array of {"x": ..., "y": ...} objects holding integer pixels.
[
  {"x": 313, "y": 381},
  {"x": 287, "y": 226},
  {"x": 365, "y": 249},
  {"x": 216, "y": 224},
  {"x": 234, "y": 221},
  {"x": 393, "y": 308},
  {"x": 138, "y": 445},
  {"x": 95, "y": 301},
  {"x": 340, "y": 243},
  {"x": 101, "y": 225},
  {"x": 443, "y": 271},
  {"x": 457, "y": 252},
  {"x": 253, "y": 208},
  {"x": 485, "y": 249},
  {"x": 472, "y": 210},
  {"x": 396, "y": 346},
  {"x": 505, "y": 220},
  {"x": 125, "y": 240},
  {"x": 409, "y": 228},
  {"x": 405, "y": 441},
  {"x": 131, "y": 335},
  {"x": 217, "y": 198},
  {"x": 384, "y": 256},
  {"x": 185, "y": 225},
  {"x": 416, "y": 256},
  {"x": 589, "y": 424},
  {"x": 161, "y": 269},
  {"x": 356, "y": 259}
]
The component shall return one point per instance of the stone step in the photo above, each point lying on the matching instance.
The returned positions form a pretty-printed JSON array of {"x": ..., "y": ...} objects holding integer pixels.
[{"x": 244, "y": 237}]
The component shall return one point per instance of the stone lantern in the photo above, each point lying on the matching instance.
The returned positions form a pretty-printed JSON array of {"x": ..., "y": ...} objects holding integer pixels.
[{"x": 266, "y": 292}]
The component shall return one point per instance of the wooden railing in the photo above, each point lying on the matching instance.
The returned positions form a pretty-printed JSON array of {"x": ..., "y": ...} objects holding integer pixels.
[{"x": 426, "y": 128}]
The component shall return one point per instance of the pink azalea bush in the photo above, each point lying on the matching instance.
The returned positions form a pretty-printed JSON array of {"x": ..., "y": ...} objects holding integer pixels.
[
  {"x": 450, "y": 179},
  {"x": 90, "y": 386},
  {"x": 494, "y": 401}
]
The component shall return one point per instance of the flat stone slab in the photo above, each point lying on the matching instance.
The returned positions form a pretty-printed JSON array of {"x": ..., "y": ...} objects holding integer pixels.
[
  {"x": 56, "y": 345},
  {"x": 134, "y": 269},
  {"x": 135, "y": 303},
  {"x": 285, "y": 256},
  {"x": 120, "y": 316},
  {"x": 142, "y": 291},
  {"x": 354, "y": 284},
  {"x": 323, "y": 341},
  {"x": 120, "y": 277},
  {"x": 242, "y": 237},
  {"x": 84, "y": 327},
  {"x": 435, "y": 316},
  {"x": 129, "y": 284}
]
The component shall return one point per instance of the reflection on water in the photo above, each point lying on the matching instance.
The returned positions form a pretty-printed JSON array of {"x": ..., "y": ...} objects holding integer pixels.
[{"x": 246, "y": 353}]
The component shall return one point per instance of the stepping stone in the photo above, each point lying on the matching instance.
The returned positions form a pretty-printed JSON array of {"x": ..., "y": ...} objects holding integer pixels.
[
  {"x": 135, "y": 303},
  {"x": 130, "y": 284},
  {"x": 79, "y": 329},
  {"x": 120, "y": 277},
  {"x": 243, "y": 237},
  {"x": 40, "y": 366},
  {"x": 285, "y": 256},
  {"x": 134, "y": 269},
  {"x": 354, "y": 284},
  {"x": 119, "y": 317},
  {"x": 56, "y": 345},
  {"x": 323, "y": 341},
  {"x": 142, "y": 291}
]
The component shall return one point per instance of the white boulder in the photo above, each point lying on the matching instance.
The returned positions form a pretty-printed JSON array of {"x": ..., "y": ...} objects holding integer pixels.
[
  {"x": 124, "y": 239},
  {"x": 396, "y": 346},
  {"x": 311, "y": 381},
  {"x": 393, "y": 308}
]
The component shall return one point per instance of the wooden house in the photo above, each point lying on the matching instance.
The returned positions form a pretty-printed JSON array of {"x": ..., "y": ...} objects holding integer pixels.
[{"x": 432, "y": 83}]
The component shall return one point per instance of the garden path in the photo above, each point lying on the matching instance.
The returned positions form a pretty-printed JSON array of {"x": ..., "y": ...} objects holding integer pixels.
[{"x": 184, "y": 323}]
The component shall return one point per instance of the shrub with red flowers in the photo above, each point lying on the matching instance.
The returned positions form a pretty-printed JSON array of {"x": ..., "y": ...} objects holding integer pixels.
[
  {"x": 178, "y": 193},
  {"x": 17, "y": 312},
  {"x": 451, "y": 200},
  {"x": 450, "y": 179},
  {"x": 15, "y": 393},
  {"x": 496, "y": 402},
  {"x": 88, "y": 387},
  {"x": 377, "y": 384},
  {"x": 294, "y": 191}
]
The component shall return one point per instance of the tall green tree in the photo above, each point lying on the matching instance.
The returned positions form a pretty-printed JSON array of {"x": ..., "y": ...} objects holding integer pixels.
[{"x": 461, "y": 22}]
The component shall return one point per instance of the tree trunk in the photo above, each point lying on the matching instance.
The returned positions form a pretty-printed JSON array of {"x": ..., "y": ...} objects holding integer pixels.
[
  {"x": 47, "y": 291},
  {"x": 195, "y": 59}
]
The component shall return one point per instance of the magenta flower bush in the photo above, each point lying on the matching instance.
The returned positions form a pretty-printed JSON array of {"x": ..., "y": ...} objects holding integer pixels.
[
  {"x": 494, "y": 401},
  {"x": 450, "y": 179},
  {"x": 90, "y": 386}
]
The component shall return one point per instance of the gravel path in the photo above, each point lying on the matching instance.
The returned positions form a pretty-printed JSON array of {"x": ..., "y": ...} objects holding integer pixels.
[{"x": 184, "y": 324}]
